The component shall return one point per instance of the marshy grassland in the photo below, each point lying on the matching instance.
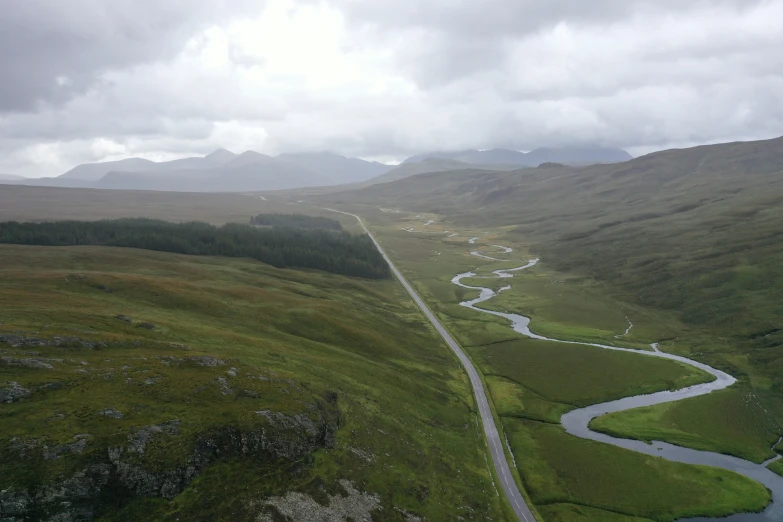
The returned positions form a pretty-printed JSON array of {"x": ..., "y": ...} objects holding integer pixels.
[
  {"x": 730, "y": 421},
  {"x": 686, "y": 243},
  {"x": 532, "y": 383}
]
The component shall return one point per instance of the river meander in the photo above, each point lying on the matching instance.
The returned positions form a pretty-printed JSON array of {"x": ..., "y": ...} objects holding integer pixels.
[{"x": 576, "y": 422}]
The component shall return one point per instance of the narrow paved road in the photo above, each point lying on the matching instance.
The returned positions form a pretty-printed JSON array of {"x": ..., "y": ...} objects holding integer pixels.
[{"x": 490, "y": 430}]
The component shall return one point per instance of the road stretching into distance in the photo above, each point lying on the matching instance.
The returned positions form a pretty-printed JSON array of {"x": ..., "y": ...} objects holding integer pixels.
[
  {"x": 502, "y": 469},
  {"x": 576, "y": 422}
]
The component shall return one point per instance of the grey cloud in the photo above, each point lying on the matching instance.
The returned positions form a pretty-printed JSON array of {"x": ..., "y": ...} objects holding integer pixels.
[
  {"x": 53, "y": 49},
  {"x": 497, "y": 18},
  {"x": 449, "y": 40},
  {"x": 450, "y": 74}
]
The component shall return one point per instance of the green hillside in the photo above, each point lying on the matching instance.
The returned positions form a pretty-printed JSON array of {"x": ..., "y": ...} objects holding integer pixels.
[
  {"x": 427, "y": 165},
  {"x": 140, "y": 385},
  {"x": 675, "y": 229},
  {"x": 695, "y": 232}
]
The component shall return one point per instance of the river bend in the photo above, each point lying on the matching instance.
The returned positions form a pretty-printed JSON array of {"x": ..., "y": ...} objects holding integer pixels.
[{"x": 576, "y": 422}]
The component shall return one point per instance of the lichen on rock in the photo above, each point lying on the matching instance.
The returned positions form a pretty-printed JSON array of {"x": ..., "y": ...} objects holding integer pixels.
[
  {"x": 354, "y": 505},
  {"x": 13, "y": 392}
]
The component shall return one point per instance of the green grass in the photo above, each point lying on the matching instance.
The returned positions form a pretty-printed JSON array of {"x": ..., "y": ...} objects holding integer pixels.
[
  {"x": 684, "y": 243},
  {"x": 530, "y": 380},
  {"x": 689, "y": 238},
  {"x": 577, "y": 376},
  {"x": 777, "y": 467},
  {"x": 730, "y": 421},
  {"x": 402, "y": 398},
  {"x": 511, "y": 399},
  {"x": 558, "y": 469},
  {"x": 566, "y": 306},
  {"x": 572, "y": 305},
  {"x": 576, "y": 513},
  {"x": 20, "y": 203}
]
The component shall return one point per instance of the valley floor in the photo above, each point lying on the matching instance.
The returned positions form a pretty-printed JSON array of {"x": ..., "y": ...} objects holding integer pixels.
[{"x": 532, "y": 383}]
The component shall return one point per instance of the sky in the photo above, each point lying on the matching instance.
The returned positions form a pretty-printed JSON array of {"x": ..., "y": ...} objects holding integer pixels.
[{"x": 96, "y": 80}]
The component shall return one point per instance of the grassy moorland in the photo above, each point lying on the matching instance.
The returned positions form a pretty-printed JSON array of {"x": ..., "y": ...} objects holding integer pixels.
[
  {"x": 36, "y": 204},
  {"x": 560, "y": 470},
  {"x": 532, "y": 383},
  {"x": 686, "y": 243},
  {"x": 747, "y": 429},
  {"x": 150, "y": 385},
  {"x": 577, "y": 376}
]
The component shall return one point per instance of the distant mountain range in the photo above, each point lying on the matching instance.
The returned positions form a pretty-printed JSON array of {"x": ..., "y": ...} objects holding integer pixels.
[
  {"x": 224, "y": 171},
  {"x": 220, "y": 171}
]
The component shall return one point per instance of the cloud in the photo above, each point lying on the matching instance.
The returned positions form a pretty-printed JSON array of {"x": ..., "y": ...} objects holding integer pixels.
[
  {"x": 388, "y": 79},
  {"x": 55, "y": 50}
]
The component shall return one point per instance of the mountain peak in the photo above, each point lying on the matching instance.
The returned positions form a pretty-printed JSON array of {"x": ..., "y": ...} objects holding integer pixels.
[
  {"x": 221, "y": 156},
  {"x": 248, "y": 157}
]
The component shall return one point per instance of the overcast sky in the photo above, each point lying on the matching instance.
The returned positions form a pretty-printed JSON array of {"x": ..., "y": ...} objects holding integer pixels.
[{"x": 93, "y": 80}]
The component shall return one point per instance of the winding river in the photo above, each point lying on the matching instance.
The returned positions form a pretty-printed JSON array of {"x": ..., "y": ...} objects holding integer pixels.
[{"x": 576, "y": 422}]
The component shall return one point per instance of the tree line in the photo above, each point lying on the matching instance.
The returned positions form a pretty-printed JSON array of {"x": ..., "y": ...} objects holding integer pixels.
[
  {"x": 334, "y": 251},
  {"x": 295, "y": 220}
]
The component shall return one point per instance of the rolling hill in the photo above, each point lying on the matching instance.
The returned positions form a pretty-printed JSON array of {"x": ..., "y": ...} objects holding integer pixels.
[
  {"x": 696, "y": 232},
  {"x": 567, "y": 155},
  {"x": 198, "y": 388},
  {"x": 428, "y": 165}
]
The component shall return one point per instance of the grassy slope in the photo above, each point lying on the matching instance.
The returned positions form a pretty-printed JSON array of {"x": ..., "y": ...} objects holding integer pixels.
[
  {"x": 535, "y": 380},
  {"x": 688, "y": 243},
  {"x": 407, "y": 170},
  {"x": 407, "y": 430}
]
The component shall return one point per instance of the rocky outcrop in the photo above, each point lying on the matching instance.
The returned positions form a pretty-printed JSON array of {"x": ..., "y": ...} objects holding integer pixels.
[
  {"x": 225, "y": 389},
  {"x": 127, "y": 468},
  {"x": 13, "y": 392},
  {"x": 29, "y": 362},
  {"x": 111, "y": 413},
  {"x": 146, "y": 326},
  {"x": 354, "y": 505},
  {"x": 78, "y": 445},
  {"x": 206, "y": 360},
  {"x": 22, "y": 341}
]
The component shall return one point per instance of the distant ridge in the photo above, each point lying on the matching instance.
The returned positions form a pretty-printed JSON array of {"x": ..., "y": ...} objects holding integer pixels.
[
  {"x": 339, "y": 168},
  {"x": 224, "y": 171},
  {"x": 428, "y": 165},
  {"x": 565, "y": 155},
  {"x": 218, "y": 171},
  {"x": 95, "y": 171}
]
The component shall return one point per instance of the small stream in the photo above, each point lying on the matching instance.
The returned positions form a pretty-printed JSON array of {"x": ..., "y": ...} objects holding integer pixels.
[{"x": 576, "y": 422}]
